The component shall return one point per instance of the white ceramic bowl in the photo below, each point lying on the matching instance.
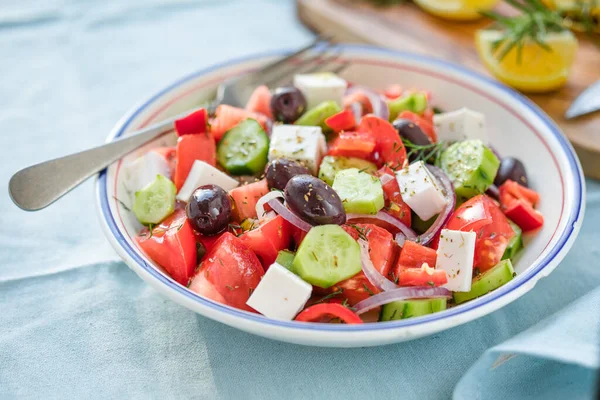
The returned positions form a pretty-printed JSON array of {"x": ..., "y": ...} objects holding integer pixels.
[{"x": 516, "y": 128}]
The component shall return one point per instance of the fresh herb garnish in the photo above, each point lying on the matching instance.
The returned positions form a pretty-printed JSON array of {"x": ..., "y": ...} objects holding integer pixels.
[
  {"x": 368, "y": 290},
  {"x": 329, "y": 296},
  {"x": 430, "y": 153}
]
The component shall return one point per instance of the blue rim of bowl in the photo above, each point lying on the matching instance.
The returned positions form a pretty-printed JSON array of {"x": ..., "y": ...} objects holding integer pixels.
[{"x": 575, "y": 170}]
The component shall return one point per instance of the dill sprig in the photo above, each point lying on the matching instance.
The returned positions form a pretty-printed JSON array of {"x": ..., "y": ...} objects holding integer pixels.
[
  {"x": 429, "y": 153},
  {"x": 535, "y": 22}
]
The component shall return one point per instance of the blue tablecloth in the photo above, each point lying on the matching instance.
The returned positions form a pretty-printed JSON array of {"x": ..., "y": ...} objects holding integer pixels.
[{"x": 75, "y": 322}]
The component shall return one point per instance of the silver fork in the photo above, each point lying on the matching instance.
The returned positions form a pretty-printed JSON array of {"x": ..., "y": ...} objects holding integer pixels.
[{"x": 38, "y": 186}]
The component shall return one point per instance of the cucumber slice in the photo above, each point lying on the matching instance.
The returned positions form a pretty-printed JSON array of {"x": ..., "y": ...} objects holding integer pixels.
[
  {"x": 492, "y": 279},
  {"x": 243, "y": 149},
  {"x": 420, "y": 226},
  {"x": 361, "y": 193},
  {"x": 316, "y": 116},
  {"x": 326, "y": 256},
  {"x": 415, "y": 102},
  {"x": 155, "y": 202},
  {"x": 331, "y": 165},
  {"x": 286, "y": 259},
  {"x": 411, "y": 308},
  {"x": 471, "y": 166},
  {"x": 515, "y": 244}
]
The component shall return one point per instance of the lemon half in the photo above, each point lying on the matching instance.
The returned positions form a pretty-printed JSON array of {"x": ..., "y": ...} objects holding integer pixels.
[
  {"x": 456, "y": 9},
  {"x": 539, "y": 70}
]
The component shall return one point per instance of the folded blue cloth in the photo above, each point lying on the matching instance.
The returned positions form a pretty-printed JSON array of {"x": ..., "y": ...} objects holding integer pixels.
[
  {"x": 75, "y": 322},
  {"x": 556, "y": 359}
]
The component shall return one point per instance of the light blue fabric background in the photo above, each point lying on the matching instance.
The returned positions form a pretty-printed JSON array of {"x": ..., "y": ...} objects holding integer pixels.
[{"x": 75, "y": 322}]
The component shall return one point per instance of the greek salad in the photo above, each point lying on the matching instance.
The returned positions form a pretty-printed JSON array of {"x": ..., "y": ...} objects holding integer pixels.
[{"x": 331, "y": 202}]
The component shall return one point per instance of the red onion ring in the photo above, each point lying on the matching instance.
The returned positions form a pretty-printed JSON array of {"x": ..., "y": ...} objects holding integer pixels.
[
  {"x": 378, "y": 280},
  {"x": 380, "y": 107},
  {"x": 387, "y": 218},
  {"x": 385, "y": 178},
  {"x": 357, "y": 111},
  {"x": 446, "y": 213},
  {"x": 260, "y": 204},
  {"x": 403, "y": 293},
  {"x": 289, "y": 215},
  {"x": 400, "y": 239}
]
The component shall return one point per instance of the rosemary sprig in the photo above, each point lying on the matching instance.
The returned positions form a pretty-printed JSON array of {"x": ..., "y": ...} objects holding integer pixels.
[{"x": 535, "y": 22}]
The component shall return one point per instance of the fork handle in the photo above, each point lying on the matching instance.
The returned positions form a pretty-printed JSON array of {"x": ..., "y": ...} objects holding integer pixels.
[{"x": 38, "y": 186}]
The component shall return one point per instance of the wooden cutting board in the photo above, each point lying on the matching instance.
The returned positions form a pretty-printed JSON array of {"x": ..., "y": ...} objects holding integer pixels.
[{"x": 406, "y": 27}]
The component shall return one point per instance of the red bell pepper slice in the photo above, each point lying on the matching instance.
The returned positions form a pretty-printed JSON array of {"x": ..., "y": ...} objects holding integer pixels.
[
  {"x": 524, "y": 215},
  {"x": 342, "y": 121},
  {"x": 194, "y": 123},
  {"x": 325, "y": 312},
  {"x": 353, "y": 144}
]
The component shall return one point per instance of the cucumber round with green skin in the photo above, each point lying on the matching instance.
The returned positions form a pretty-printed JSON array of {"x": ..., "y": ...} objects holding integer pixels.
[
  {"x": 361, "y": 193},
  {"x": 499, "y": 275},
  {"x": 515, "y": 244},
  {"x": 331, "y": 165},
  {"x": 411, "y": 308},
  {"x": 316, "y": 116},
  {"x": 155, "y": 202},
  {"x": 420, "y": 226},
  {"x": 326, "y": 256},
  {"x": 285, "y": 258},
  {"x": 243, "y": 149},
  {"x": 471, "y": 166},
  {"x": 415, "y": 102}
]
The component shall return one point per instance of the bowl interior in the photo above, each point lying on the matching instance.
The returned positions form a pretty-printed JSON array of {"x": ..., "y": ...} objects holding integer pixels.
[{"x": 515, "y": 128}]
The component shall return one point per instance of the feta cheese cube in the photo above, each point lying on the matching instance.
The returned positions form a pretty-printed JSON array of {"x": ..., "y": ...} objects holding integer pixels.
[
  {"x": 143, "y": 170},
  {"x": 281, "y": 294},
  {"x": 420, "y": 190},
  {"x": 204, "y": 174},
  {"x": 460, "y": 124},
  {"x": 305, "y": 144},
  {"x": 455, "y": 256},
  {"x": 320, "y": 87}
]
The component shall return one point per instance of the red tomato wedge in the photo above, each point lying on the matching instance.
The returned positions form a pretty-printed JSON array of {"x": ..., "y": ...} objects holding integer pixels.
[
  {"x": 482, "y": 215},
  {"x": 170, "y": 155},
  {"x": 260, "y": 101},
  {"x": 388, "y": 143},
  {"x": 511, "y": 191},
  {"x": 226, "y": 117},
  {"x": 172, "y": 245},
  {"x": 392, "y": 92},
  {"x": 353, "y": 144},
  {"x": 428, "y": 115},
  {"x": 382, "y": 250},
  {"x": 189, "y": 149},
  {"x": 361, "y": 98},
  {"x": 233, "y": 271},
  {"x": 268, "y": 239},
  {"x": 342, "y": 121},
  {"x": 413, "y": 255},
  {"x": 425, "y": 125},
  {"x": 325, "y": 312},
  {"x": 245, "y": 199},
  {"x": 194, "y": 123},
  {"x": 394, "y": 205},
  {"x": 422, "y": 277},
  {"x": 207, "y": 241}
]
